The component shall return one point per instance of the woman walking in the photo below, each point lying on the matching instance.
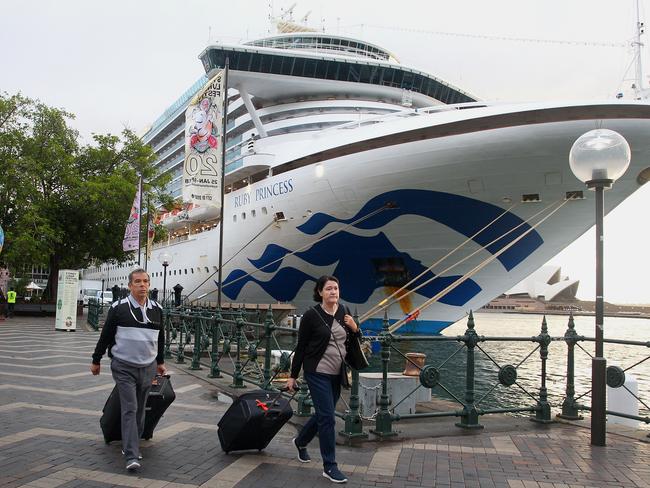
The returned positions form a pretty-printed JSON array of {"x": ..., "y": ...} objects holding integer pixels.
[{"x": 322, "y": 344}]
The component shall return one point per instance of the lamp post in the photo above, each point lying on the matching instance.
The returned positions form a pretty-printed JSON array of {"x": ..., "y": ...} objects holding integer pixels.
[
  {"x": 598, "y": 158},
  {"x": 165, "y": 259}
]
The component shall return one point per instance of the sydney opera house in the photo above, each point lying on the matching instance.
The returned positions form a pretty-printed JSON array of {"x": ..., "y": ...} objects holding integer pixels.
[{"x": 544, "y": 287}]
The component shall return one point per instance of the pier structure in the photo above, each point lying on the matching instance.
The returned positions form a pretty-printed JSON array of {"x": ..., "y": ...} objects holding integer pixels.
[{"x": 50, "y": 436}]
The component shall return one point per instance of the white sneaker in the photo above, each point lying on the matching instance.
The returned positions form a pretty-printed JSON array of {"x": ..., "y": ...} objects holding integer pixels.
[
  {"x": 132, "y": 465},
  {"x": 139, "y": 457}
]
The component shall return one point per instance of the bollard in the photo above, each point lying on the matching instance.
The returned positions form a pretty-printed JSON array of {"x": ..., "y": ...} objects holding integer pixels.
[
  {"x": 238, "y": 377},
  {"x": 214, "y": 355},
  {"x": 570, "y": 408},
  {"x": 543, "y": 414},
  {"x": 469, "y": 414},
  {"x": 384, "y": 421}
]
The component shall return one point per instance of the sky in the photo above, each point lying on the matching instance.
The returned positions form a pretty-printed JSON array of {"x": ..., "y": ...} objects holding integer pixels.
[{"x": 122, "y": 63}]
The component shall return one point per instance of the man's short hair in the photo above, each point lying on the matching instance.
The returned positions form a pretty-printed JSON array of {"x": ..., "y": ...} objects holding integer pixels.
[{"x": 137, "y": 271}]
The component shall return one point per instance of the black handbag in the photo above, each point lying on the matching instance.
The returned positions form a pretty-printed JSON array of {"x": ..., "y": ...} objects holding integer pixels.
[{"x": 355, "y": 356}]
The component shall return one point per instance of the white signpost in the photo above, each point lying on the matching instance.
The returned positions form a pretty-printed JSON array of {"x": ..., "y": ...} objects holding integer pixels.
[{"x": 66, "y": 300}]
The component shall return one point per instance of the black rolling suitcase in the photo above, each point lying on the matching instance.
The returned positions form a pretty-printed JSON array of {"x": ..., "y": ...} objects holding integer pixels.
[
  {"x": 253, "y": 420},
  {"x": 160, "y": 397}
]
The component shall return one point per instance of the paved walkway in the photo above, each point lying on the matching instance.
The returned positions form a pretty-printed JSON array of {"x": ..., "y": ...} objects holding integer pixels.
[{"x": 50, "y": 406}]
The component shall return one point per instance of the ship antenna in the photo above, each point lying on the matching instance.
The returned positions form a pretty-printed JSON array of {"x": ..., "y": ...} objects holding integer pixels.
[{"x": 639, "y": 89}]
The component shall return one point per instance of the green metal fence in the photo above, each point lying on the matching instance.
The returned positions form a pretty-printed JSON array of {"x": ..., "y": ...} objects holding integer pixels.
[{"x": 250, "y": 348}]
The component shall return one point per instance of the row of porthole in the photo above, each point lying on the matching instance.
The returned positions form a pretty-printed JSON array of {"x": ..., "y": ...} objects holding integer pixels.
[
  {"x": 172, "y": 272},
  {"x": 252, "y": 214}
]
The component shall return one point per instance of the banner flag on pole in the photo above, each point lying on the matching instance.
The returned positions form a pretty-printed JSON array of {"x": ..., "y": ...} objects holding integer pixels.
[
  {"x": 203, "y": 137},
  {"x": 151, "y": 232},
  {"x": 132, "y": 231}
]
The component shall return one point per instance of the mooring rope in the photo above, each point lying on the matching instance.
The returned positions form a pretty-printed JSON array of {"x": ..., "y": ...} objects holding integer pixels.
[
  {"x": 231, "y": 258},
  {"x": 308, "y": 245},
  {"x": 384, "y": 304},
  {"x": 388, "y": 301},
  {"x": 471, "y": 273}
]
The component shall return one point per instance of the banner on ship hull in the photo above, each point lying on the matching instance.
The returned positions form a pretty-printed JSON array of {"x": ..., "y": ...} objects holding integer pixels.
[
  {"x": 203, "y": 139},
  {"x": 130, "y": 241}
]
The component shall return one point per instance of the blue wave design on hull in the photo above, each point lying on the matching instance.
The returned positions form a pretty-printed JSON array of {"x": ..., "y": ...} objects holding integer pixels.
[
  {"x": 464, "y": 215},
  {"x": 354, "y": 254},
  {"x": 355, "y": 269}
]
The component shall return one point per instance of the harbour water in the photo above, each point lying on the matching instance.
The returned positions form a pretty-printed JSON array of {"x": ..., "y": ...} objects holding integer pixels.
[{"x": 528, "y": 374}]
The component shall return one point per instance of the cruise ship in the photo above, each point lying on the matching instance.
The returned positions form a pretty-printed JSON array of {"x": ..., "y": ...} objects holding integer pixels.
[{"x": 342, "y": 161}]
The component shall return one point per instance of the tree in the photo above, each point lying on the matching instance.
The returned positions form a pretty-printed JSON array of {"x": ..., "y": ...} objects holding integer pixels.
[{"x": 65, "y": 205}]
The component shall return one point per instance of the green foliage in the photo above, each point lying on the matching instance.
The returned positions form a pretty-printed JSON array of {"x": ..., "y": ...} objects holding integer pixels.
[
  {"x": 64, "y": 205},
  {"x": 19, "y": 285}
]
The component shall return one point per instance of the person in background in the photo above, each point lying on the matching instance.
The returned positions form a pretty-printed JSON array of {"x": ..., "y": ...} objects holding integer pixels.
[
  {"x": 322, "y": 344},
  {"x": 11, "y": 302},
  {"x": 134, "y": 336},
  {"x": 3, "y": 306}
]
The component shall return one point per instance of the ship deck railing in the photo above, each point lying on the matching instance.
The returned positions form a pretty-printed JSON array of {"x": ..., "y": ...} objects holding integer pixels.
[{"x": 409, "y": 112}]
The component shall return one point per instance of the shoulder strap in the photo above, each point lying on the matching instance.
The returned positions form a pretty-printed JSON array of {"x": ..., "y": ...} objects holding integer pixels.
[{"x": 331, "y": 332}]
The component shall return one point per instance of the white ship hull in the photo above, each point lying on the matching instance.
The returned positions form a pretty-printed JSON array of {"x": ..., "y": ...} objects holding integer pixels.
[{"x": 445, "y": 177}]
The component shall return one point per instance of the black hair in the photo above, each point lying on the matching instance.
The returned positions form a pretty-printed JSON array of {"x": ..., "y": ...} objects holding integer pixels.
[{"x": 320, "y": 284}]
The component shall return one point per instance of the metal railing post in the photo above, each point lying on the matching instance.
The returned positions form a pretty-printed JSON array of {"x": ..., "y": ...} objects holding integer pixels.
[
  {"x": 543, "y": 414},
  {"x": 570, "y": 410},
  {"x": 238, "y": 377},
  {"x": 168, "y": 319},
  {"x": 469, "y": 415},
  {"x": 180, "y": 353},
  {"x": 353, "y": 423},
  {"x": 384, "y": 420},
  {"x": 303, "y": 400},
  {"x": 198, "y": 340},
  {"x": 214, "y": 354},
  {"x": 269, "y": 327}
]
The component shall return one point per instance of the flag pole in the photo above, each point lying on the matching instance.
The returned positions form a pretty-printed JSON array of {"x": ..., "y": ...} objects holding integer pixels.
[
  {"x": 146, "y": 252},
  {"x": 223, "y": 175},
  {"x": 139, "y": 218}
]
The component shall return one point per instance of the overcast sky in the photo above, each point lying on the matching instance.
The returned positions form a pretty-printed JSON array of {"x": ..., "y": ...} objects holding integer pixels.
[{"x": 121, "y": 63}]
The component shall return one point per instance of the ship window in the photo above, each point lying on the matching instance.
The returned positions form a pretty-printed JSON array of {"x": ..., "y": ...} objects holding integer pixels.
[
  {"x": 207, "y": 270},
  {"x": 234, "y": 218},
  {"x": 298, "y": 66},
  {"x": 390, "y": 271},
  {"x": 264, "y": 211},
  {"x": 192, "y": 270},
  {"x": 574, "y": 195},
  {"x": 530, "y": 197},
  {"x": 243, "y": 215},
  {"x": 214, "y": 268},
  {"x": 185, "y": 270},
  {"x": 252, "y": 213}
]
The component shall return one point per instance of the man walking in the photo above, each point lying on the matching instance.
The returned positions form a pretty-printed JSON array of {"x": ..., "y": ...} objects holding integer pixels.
[
  {"x": 11, "y": 303},
  {"x": 133, "y": 334}
]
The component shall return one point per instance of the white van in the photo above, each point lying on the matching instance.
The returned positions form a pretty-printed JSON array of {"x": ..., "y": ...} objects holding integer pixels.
[{"x": 106, "y": 297}]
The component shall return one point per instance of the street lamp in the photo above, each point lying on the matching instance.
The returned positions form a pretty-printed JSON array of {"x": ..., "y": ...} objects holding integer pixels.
[
  {"x": 598, "y": 158},
  {"x": 165, "y": 259}
]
